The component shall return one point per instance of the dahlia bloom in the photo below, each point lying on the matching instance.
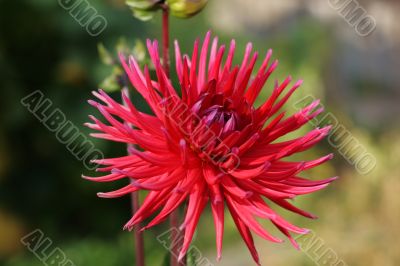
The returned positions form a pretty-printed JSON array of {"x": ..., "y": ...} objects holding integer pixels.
[{"x": 209, "y": 144}]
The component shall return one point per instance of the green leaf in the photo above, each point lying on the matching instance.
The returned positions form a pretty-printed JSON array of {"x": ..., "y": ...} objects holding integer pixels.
[
  {"x": 111, "y": 83},
  {"x": 105, "y": 55},
  {"x": 139, "y": 51},
  {"x": 116, "y": 78}
]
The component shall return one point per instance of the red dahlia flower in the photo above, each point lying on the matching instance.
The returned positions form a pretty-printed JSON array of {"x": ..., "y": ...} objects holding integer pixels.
[{"x": 209, "y": 145}]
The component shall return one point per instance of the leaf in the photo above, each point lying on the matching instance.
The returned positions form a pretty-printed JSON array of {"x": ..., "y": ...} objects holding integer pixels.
[
  {"x": 105, "y": 55},
  {"x": 122, "y": 46},
  {"x": 112, "y": 82},
  {"x": 117, "y": 78},
  {"x": 139, "y": 51}
]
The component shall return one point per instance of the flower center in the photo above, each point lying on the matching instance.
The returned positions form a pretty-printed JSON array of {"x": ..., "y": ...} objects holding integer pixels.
[
  {"x": 217, "y": 113},
  {"x": 216, "y": 118}
]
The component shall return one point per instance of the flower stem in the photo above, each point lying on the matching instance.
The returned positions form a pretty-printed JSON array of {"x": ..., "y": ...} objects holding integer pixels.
[
  {"x": 139, "y": 243},
  {"x": 138, "y": 235},
  {"x": 165, "y": 39},
  {"x": 176, "y": 234}
]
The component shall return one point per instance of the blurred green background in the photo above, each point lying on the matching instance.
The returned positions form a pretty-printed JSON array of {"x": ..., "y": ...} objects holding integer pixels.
[{"x": 43, "y": 48}]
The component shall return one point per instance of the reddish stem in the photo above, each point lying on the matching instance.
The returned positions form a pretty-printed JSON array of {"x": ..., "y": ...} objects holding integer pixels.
[
  {"x": 139, "y": 243},
  {"x": 176, "y": 235},
  {"x": 138, "y": 235},
  {"x": 175, "y": 241},
  {"x": 165, "y": 39}
]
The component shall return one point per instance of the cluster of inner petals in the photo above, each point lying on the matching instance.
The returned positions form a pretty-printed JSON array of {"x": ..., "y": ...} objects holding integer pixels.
[{"x": 207, "y": 143}]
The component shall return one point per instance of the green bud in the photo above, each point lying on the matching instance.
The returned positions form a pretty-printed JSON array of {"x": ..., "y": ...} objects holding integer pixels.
[
  {"x": 143, "y": 9},
  {"x": 186, "y": 8}
]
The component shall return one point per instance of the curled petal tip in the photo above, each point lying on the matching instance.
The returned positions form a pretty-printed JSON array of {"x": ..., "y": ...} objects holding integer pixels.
[
  {"x": 121, "y": 56},
  {"x": 86, "y": 177},
  {"x": 299, "y": 83},
  {"x": 295, "y": 245},
  {"x": 326, "y": 129},
  {"x": 182, "y": 226},
  {"x": 149, "y": 42},
  {"x": 128, "y": 227},
  {"x": 181, "y": 256},
  {"x": 92, "y": 103},
  {"x": 331, "y": 179}
]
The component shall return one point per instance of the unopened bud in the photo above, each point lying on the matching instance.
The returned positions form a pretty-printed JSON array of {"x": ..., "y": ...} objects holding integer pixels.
[{"x": 186, "y": 8}]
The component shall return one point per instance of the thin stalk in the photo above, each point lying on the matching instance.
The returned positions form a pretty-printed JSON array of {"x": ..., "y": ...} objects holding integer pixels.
[
  {"x": 138, "y": 235},
  {"x": 176, "y": 235},
  {"x": 165, "y": 39}
]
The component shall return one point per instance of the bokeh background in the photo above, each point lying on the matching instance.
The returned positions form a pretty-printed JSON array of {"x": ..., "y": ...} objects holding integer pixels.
[{"x": 43, "y": 47}]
